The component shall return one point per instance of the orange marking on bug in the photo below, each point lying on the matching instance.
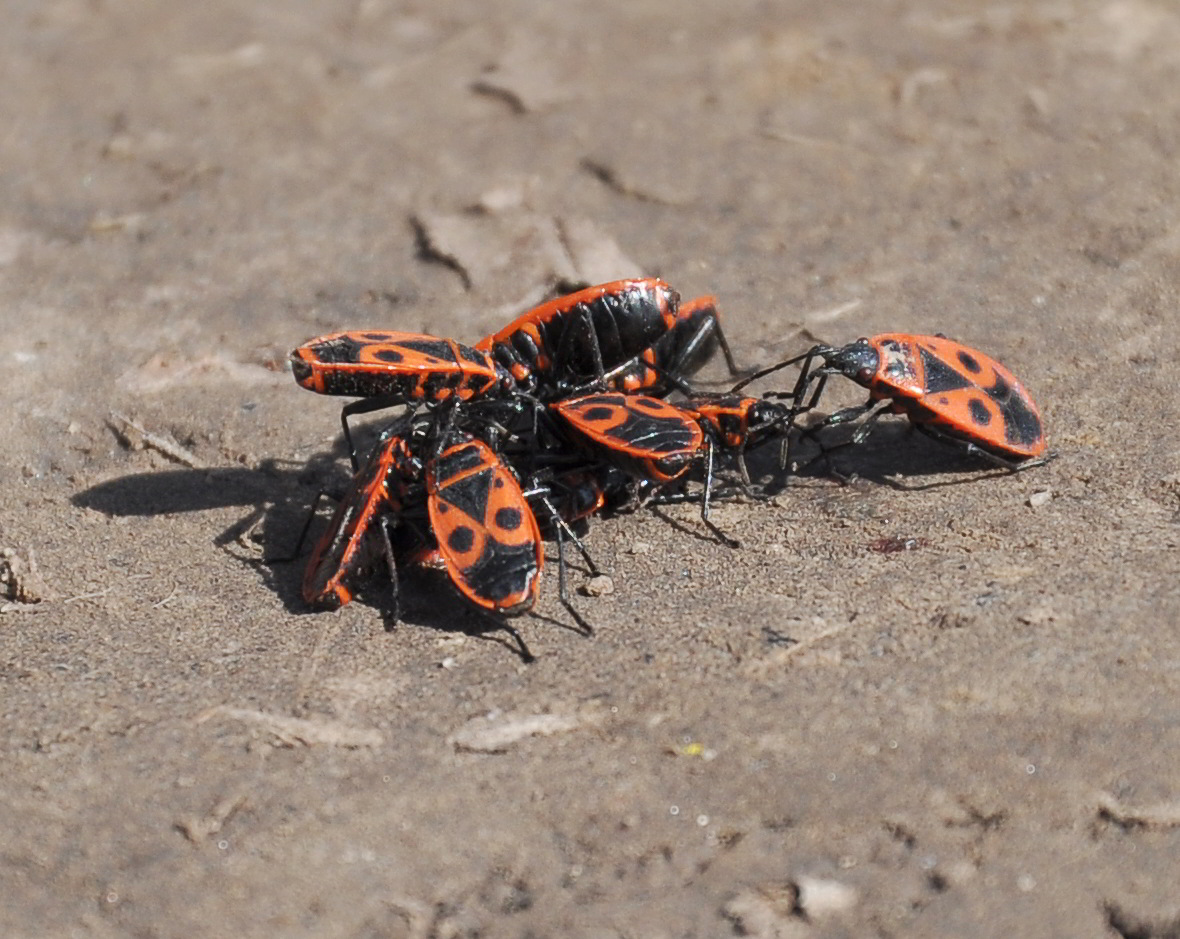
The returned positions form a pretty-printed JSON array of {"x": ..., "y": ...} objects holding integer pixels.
[
  {"x": 495, "y": 565},
  {"x": 635, "y": 432}
]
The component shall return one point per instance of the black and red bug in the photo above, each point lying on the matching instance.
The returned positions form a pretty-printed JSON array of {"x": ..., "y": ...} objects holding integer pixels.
[
  {"x": 386, "y": 369},
  {"x": 487, "y": 535},
  {"x": 575, "y": 340},
  {"x": 550, "y": 506},
  {"x": 408, "y": 367},
  {"x": 383, "y": 514},
  {"x": 657, "y": 440},
  {"x": 678, "y": 354},
  {"x": 949, "y": 391},
  {"x": 645, "y": 436},
  {"x": 602, "y": 334},
  {"x": 361, "y": 528}
]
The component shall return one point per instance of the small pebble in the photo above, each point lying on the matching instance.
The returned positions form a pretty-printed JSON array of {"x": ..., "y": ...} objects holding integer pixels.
[
  {"x": 599, "y": 586},
  {"x": 1037, "y": 499}
]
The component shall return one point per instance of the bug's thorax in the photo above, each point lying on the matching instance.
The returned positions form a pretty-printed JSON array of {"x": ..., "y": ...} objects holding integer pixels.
[{"x": 898, "y": 368}]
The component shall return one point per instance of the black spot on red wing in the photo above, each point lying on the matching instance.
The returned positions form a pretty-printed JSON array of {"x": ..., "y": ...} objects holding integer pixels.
[
  {"x": 389, "y": 355},
  {"x": 377, "y": 337},
  {"x": 944, "y": 401},
  {"x": 461, "y": 539},
  {"x": 509, "y": 518},
  {"x": 979, "y": 412},
  {"x": 599, "y": 412},
  {"x": 499, "y": 483},
  {"x": 650, "y": 405},
  {"x": 438, "y": 348},
  {"x": 341, "y": 349},
  {"x": 969, "y": 362},
  {"x": 442, "y": 508},
  {"x": 940, "y": 376},
  {"x": 1022, "y": 426}
]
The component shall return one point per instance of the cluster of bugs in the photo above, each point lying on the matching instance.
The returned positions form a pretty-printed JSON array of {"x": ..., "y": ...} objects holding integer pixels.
[{"x": 585, "y": 403}]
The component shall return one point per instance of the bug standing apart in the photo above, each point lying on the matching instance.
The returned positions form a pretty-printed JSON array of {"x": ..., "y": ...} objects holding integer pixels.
[{"x": 948, "y": 390}]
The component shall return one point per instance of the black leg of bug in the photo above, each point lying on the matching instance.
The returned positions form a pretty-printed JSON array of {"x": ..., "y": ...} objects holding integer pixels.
[
  {"x": 874, "y": 409},
  {"x": 392, "y": 611},
  {"x": 789, "y": 443},
  {"x": 500, "y": 625},
  {"x": 657, "y": 496},
  {"x": 806, "y": 358},
  {"x": 730, "y": 361},
  {"x": 563, "y": 591},
  {"x": 709, "y": 327},
  {"x": 808, "y": 376},
  {"x": 562, "y": 531},
  {"x": 707, "y": 495},
  {"x": 601, "y": 383},
  {"x": 365, "y": 406},
  {"x": 561, "y": 528}
]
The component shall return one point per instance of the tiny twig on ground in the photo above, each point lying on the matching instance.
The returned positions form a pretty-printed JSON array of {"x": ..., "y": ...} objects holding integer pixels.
[{"x": 165, "y": 445}]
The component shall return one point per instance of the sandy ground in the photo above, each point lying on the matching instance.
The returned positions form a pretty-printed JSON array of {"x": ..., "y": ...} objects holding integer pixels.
[{"x": 813, "y": 735}]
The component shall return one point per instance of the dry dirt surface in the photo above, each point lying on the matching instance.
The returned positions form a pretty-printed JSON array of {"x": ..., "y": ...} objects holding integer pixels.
[{"x": 932, "y": 701}]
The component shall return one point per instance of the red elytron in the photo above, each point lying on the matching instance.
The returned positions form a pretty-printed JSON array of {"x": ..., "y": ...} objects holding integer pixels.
[
  {"x": 487, "y": 535},
  {"x": 948, "y": 390}
]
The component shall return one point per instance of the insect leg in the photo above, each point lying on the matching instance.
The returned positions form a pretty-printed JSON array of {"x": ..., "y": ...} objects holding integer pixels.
[
  {"x": 708, "y": 491},
  {"x": 710, "y": 325},
  {"x": 393, "y": 612},
  {"x": 364, "y": 406}
]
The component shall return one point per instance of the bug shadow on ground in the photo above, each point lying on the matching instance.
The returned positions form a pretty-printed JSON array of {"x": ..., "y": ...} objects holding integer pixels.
[
  {"x": 276, "y": 500},
  {"x": 895, "y": 454}
]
